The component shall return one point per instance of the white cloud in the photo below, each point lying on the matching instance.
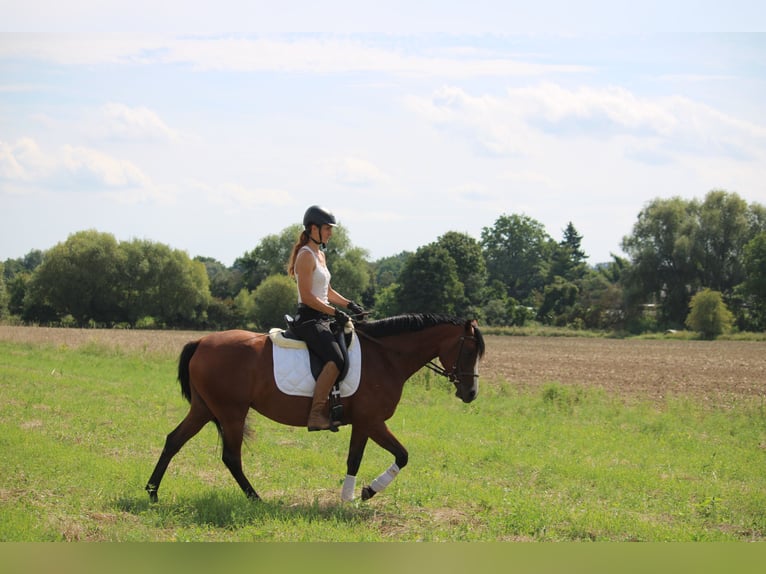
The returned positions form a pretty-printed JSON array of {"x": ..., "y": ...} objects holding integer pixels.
[
  {"x": 316, "y": 54},
  {"x": 122, "y": 122},
  {"x": 355, "y": 172},
  {"x": 71, "y": 168},
  {"x": 492, "y": 125},
  {"x": 655, "y": 129},
  {"x": 23, "y": 161},
  {"x": 94, "y": 168}
]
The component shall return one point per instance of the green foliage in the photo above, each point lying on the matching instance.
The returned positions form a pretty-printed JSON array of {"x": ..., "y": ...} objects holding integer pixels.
[
  {"x": 559, "y": 298},
  {"x": 515, "y": 273},
  {"x": 225, "y": 282},
  {"x": 386, "y": 302},
  {"x": 163, "y": 283},
  {"x": 80, "y": 277},
  {"x": 680, "y": 246},
  {"x": 429, "y": 282},
  {"x": 471, "y": 270},
  {"x": 664, "y": 264},
  {"x": 568, "y": 258},
  {"x": 91, "y": 279},
  {"x": 517, "y": 253},
  {"x": 274, "y": 297},
  {"x": 4, "y": 297},
  {"x": 709, "y": 315},
  {"x": 753, "y": 288},
  {"x": 386, "y": 271}
]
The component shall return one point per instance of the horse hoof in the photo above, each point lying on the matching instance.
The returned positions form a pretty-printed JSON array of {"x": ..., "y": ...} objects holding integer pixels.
[
  {"x": 367, "y": 493},
  {"x": 332, "y": 428},
  {"x": 153, "y": 497}
]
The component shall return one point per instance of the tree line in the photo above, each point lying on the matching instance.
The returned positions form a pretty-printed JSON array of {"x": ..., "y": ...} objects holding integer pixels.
[{"x": 515, "y": 273}]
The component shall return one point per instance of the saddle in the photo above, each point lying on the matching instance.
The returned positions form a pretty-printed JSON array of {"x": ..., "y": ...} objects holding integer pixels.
[{"x": 343, "y": 338}]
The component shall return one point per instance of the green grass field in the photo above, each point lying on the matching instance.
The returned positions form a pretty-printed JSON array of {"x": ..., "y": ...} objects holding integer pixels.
[{"x": 81, "y": 429}]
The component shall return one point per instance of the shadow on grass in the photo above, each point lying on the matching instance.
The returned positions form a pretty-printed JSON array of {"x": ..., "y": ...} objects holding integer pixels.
[{"x": 230, "y": 510}]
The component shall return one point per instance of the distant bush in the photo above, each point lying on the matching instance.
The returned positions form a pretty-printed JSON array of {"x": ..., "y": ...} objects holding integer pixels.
[{"x": 709, "y": 315}]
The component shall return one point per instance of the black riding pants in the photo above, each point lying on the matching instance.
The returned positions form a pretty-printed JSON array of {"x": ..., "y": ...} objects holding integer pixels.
[{"x": 316, "y": 329}]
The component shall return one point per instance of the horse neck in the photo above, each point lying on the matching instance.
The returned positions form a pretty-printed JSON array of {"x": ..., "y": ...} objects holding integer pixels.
[{"x": 415, "y": 349}]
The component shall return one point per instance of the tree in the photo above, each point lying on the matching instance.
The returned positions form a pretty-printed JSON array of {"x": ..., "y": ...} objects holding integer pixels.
[
  {"x": 709, "y": 315},
  {"x": 568, "y": 259},
  {"x": 225, "y": 282},
  {"x": 664, "y": 268},
  {"x": 600, "y": 302},
  {"x": 25, "y": 264},
  {"x": 559, "y": 297},
  {"x": 517, "y": 252},
  {"x": 429, "y": 282},
  {"x": 471, "y": 270},
  {"x": 4, "y": 297},
  {"x": 386, "y": 271},
  {"x": 678, "y": 247},
  {"x": 162, "y": 283},
  {"x": 274, "y": 297},
  {"x": 183, "y": 291},
  {"x": 753, "y": 289},
  {"x": 721, "y": 237},
  {"x": 81, "y": 278}
]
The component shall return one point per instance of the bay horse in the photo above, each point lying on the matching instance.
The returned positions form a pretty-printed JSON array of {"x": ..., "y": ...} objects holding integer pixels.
[{"x": 223, "y": 375}]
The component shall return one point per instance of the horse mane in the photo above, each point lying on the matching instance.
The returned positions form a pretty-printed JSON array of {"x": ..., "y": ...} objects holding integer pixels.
[{"x": 412, "y": 323}]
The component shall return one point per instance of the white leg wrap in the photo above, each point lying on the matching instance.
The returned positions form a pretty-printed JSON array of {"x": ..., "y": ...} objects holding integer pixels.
[
  {"x": 347, "y": 493},
  {"x": 380, "y": 483}
]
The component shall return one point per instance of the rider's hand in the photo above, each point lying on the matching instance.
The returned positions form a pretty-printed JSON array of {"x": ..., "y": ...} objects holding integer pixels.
[
  {"x": 356, "y": 310},
  {"x": 341, "y": 318}
]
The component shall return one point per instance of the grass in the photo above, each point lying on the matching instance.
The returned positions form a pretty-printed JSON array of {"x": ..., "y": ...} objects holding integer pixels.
[{"x": 81, "y": 429}]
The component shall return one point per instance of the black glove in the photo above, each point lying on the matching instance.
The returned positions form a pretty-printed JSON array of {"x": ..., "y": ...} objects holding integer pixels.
[
  {"x": 356, "y": 310},
  {"x": 341, "y": 318}
]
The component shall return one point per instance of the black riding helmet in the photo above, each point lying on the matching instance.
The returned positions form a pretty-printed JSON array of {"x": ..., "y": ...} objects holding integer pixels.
[{"x": 318, "y": 216}]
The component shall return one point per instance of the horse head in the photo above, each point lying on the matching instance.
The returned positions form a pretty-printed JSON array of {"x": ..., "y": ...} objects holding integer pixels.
[{"x": 463, "y": 354}]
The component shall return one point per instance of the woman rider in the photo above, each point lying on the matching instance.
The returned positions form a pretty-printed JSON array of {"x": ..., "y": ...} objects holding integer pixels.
[{"x": 313, "y": 322}]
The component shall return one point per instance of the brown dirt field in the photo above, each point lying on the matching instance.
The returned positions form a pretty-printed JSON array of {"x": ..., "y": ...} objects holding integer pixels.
[{"x": 714, "y": 371}]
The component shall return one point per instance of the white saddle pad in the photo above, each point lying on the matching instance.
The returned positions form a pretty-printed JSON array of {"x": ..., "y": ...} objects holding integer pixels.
[{"x": 292, "y": 371}]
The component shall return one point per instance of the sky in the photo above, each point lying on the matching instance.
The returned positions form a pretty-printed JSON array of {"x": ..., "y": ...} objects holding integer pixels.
[{"x": 209, "y": 128}]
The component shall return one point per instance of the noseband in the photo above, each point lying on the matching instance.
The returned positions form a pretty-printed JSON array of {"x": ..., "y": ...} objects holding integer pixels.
[{"x": 453, "y": 375}]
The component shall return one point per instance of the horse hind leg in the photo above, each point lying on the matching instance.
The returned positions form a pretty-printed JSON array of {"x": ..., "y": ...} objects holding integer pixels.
[
  {"x": 232, "y": 434},
  {"x": 197, "y": 418}
]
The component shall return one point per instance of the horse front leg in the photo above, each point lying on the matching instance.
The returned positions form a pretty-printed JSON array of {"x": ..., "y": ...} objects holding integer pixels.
[
  {"x": 356, "y": 446},
  {"x": 385, "y": 439}
]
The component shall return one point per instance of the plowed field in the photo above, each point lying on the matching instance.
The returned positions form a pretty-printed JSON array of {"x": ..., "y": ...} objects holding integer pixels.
[{"x": 715, "y": 371}]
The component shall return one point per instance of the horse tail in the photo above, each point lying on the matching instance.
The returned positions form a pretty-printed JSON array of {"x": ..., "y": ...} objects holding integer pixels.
[{"x": 183, "y": 368}]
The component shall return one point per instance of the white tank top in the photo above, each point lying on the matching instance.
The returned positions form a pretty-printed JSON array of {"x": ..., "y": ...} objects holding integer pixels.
[{"x": 320, "y": 280}]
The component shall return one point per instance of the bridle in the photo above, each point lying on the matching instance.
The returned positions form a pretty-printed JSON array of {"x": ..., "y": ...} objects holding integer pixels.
[{"x": 453, "y": 375}]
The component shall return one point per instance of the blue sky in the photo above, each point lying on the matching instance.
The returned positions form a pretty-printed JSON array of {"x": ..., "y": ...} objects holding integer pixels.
[{"x": 209, "y": 130}]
